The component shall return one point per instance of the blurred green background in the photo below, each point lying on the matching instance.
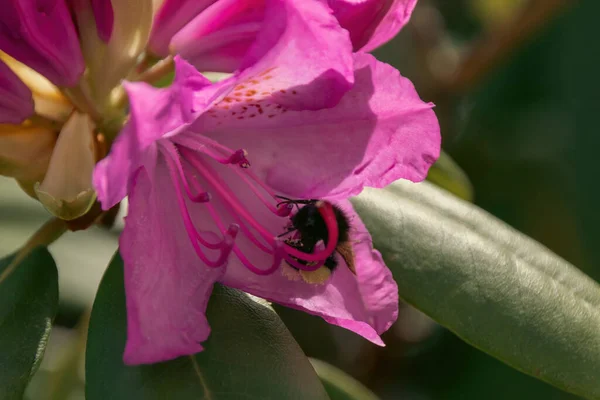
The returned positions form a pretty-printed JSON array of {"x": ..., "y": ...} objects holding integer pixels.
[{"x": 516, "y": 85}]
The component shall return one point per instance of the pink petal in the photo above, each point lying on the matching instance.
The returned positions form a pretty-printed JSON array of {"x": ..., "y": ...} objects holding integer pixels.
[
  {"x": 153, "y": 114},
  {"x": 166, "y": 286},
  {"x": 16, "y": 100},
  {"x": 219, "y": 37},
  {"x": 299, "y": 44},
  {"x": 104, "y": 16},
  {"x": 372, "y": 23},
  {"x": 366, "y": 303},
  {"x": 380, "y": 131},
  {"x": 170, "y": 18},
  {"x": 41, "y": 34}
]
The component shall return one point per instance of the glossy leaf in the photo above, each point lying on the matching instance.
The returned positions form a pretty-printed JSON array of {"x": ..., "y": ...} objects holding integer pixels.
[
  {"x": 249, "y": 355},
  {"x": 340, "y": 385},
  {"x": 494, "y": 287},
  {"x": 28, "y": 304}
]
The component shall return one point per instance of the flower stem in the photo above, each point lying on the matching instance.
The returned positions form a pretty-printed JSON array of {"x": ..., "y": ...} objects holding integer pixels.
[
  {"x": 80, "y": 97},
  {"x": 157, "y": 71},
  {"x": 47, "y": 234},
  {"x": 152, "y": 75}
]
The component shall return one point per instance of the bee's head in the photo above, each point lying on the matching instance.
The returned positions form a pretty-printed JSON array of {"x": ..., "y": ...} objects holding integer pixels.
[{"x": 309, "y": 222}]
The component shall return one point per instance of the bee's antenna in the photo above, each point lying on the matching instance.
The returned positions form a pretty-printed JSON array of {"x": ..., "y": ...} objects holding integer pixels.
[
  {"x": 287, "y": 200},
  {"x": 284, "y": 198},
  {"x": 287, "y": 232}
]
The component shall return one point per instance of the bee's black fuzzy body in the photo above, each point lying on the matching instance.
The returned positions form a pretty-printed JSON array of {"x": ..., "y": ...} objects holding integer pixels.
[{"x": 311, "y": 228}]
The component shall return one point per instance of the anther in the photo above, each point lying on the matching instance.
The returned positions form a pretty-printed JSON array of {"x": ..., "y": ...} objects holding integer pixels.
[
  {"x": 239, "y": 158},
  {"x": 203, "y": 197},
  {"x": 233, "y": 230}
]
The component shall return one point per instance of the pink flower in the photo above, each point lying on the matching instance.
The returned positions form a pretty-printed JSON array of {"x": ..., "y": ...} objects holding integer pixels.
[
  {"x": 16, "y": 100},
  {"x": 55, "y": 120},
  {"x": 215, "y": 35},
  {"x": 372, "y": 23},
  {"x": 42, "y": 35},
  {"x": 203, "y": 165}
]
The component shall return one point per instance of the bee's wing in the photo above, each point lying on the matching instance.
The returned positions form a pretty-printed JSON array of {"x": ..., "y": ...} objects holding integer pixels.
[{"x": 345, "y": 250}]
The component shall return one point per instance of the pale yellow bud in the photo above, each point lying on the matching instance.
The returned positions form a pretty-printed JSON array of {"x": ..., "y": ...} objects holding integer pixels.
[
  {"x": 25, "y": 152},
  {"x": 66, "y": 190}
]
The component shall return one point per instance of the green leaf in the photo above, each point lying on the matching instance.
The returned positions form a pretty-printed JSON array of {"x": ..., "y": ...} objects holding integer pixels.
[
  {"x": 494, "y": 287},
  {"x": 28, "y": 304},
  {"x": 249, "y": 355},
  {"x": 446, "y": 174},
  {"x": 340, "y": 385}
]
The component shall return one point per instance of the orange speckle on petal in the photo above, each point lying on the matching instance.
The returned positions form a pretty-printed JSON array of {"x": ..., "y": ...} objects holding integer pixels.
[
  {"x": 283, "y": 91},
  {"x": 251, "y": 92},
  {"x": 227, "y": 99},
  {"x": 240, "y": 87},
  {"x": 266, "y": 78},
  {"x": 266, "y": 71}
]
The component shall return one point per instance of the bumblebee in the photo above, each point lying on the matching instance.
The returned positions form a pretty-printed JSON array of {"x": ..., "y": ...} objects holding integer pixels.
[{"x": 311, "y": 228}]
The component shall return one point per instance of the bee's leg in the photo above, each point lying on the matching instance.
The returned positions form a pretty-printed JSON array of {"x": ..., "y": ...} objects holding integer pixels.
[
  {"x": 287, "y": 232},
  {"x": 331, "y": 262}
]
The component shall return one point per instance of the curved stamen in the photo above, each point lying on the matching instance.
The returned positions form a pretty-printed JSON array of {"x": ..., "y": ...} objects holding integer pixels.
[
  {"x": 200, "y": 197},
  {"x": 325, "y": 209},
  {"x": 288, "y": 253},
  {"x": 241, "y": 224},
  {"x": 176, "y": 171},
  {"x": 279, "y": 209},
  {"x": 277, "y": 251},
  {"x": 211, "y": 147},
  {"x": 277, "y": 258},
  {"x": 209, "y": 174},
  {"x": 214, "y": 149},
  {"x": 225, "y": 246}
]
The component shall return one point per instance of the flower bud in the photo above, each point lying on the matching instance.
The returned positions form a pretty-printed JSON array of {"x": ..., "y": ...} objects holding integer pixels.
[
  {"x": 25, "y": 152},
  {"x": 66, "y": 191},
  {"x": 41, "y": 34}
]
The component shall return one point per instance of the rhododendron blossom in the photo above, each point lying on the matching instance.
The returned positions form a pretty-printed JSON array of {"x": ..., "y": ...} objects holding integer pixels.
[
  {"x": 215, "y": 35},
  {"x": 204, "y": 165},
  {"x": 208, "y": 166}
]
